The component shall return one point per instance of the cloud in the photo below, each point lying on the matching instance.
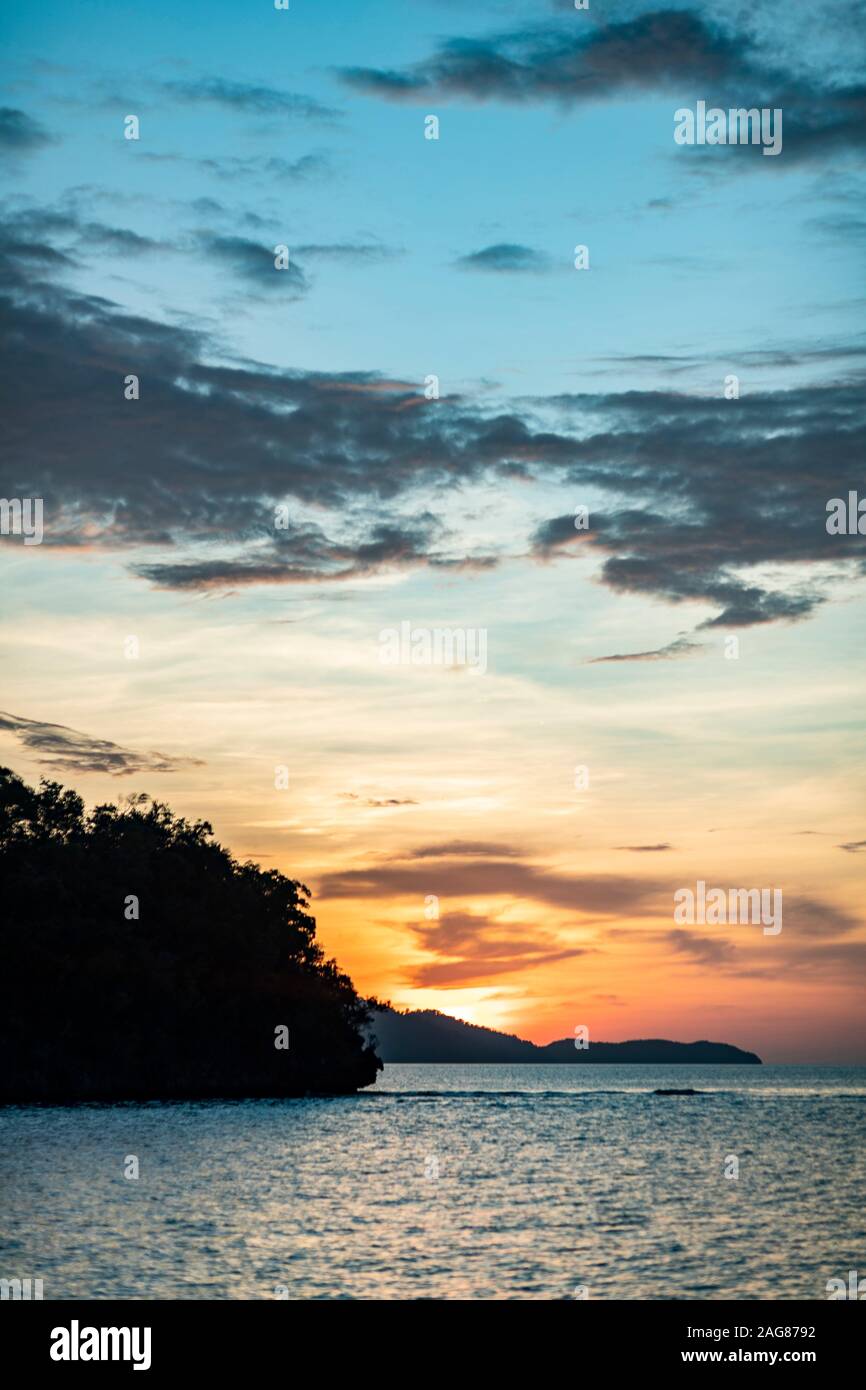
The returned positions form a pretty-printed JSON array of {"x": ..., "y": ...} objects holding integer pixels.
[
  {"x": 506, "y": 258},
  {"x": 708, "y": 501},
  {"x": 231, "y": 167},
  {"x": 850, "y": 354},
  {"x": 21, "y": 134},
  {"x": 838, "y": 962},
  {"x": 83, "y": 235},
  {"x": 646, "y": 849},
  {"x": 681, "y": 646},
  {"x": 254, "y": 263},
  {"x": 60, "y": 747},
  {"x": 470, "y": 849},
  {"x": 303, "y": 169},
  {"x": 814, "y": 919},
  {"x": 469, "y": 876},
  {"x": 676, "y": 51},
  {"x": 820, "y": 122},
  {"x": 250, "y": 98},
  {"x": 470, "y": 948},
  {"x": 377, "y": 803},
  {"x": 571, "y": 64},
  {"x": 853, "y": 846},
  {"x": 840, "y": 226},
  {"x": 301, "y": 555},
  {"x": 730, "y": 486},
  {"x": 814, "y": 943},
  {"x": 705, "y": 950},
  {"x": 117, "y": 241},
  {"x": 348, "y": 251}
]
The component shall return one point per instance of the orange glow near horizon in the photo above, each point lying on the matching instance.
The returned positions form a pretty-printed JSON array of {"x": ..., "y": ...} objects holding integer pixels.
[{"x": 555, "y": 902}]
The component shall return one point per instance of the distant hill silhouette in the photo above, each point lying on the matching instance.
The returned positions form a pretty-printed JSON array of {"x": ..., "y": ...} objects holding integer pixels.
[
  {"x": 426, "y": 1035},
  {"x": 139, "y": 960}
]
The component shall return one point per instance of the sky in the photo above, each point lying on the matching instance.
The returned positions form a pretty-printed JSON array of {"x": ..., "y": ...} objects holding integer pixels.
[{"x": 610, "y": 481}]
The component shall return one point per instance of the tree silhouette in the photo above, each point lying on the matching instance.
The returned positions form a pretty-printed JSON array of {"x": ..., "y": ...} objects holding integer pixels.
[{"x": 141, "y": 960}]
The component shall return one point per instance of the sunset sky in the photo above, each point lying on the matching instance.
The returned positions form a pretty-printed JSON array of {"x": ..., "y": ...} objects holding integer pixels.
[{"x": 608, "y": 648}]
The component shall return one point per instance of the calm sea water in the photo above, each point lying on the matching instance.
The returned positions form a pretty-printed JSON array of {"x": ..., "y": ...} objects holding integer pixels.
[{"x": 492, "y": 1182}]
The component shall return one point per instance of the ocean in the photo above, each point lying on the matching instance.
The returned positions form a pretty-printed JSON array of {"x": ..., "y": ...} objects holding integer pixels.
[{"x": 443, "y": 1182}]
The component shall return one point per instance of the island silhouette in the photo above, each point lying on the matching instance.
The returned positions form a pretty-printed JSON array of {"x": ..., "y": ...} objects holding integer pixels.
[
  {"x": 425, "y": 1035},
  {"x": 142, "y": 961}
]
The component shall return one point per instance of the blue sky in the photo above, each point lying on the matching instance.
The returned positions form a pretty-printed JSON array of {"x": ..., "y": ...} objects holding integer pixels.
[{"x": 689, "y": 256}]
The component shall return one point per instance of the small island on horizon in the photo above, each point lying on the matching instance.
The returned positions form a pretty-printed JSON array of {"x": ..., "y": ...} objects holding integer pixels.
[{"x": 426, "y": 1035}]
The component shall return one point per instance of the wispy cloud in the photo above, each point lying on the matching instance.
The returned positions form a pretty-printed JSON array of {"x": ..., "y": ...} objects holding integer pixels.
[
  {"x": 304, "y": 169},
  {"x": 62, "y": 748},
  {"x": 250, "y": 98},
  {"x": 681, "y": 646},
  {"x": 646, "y": 849},
  {"x": 377, "y": 803},
  {"x": 348, "y": 251}
]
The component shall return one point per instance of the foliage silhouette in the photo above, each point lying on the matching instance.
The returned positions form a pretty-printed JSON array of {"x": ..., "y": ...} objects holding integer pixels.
[{"x": 184, "y": 1001}]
